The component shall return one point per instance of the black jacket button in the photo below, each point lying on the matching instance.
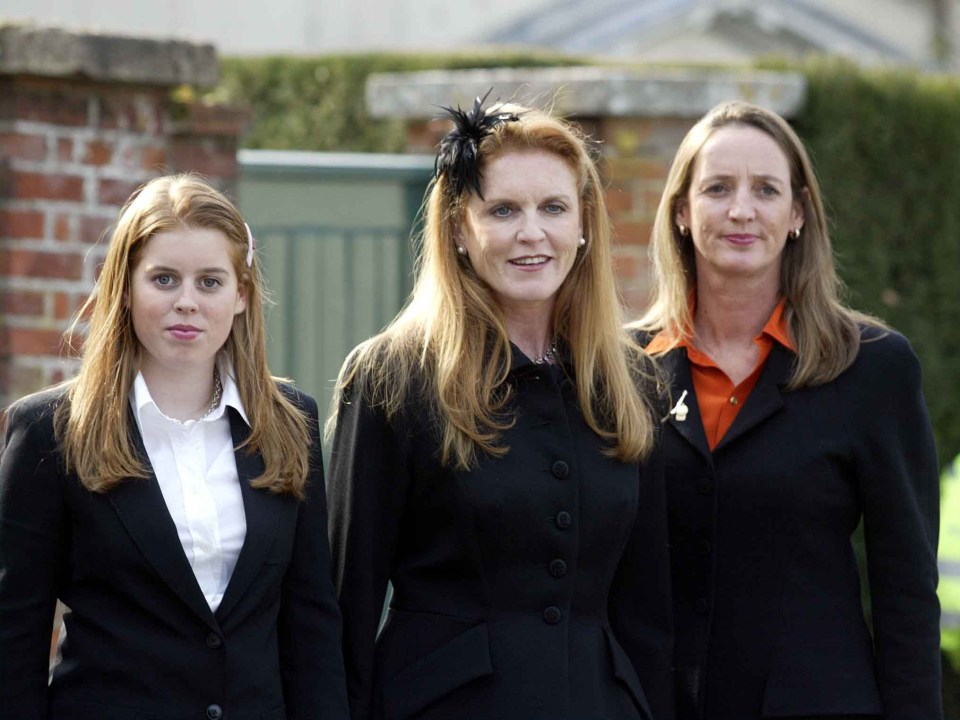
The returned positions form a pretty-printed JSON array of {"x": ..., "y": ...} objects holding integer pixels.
[
  {"x": 213, "y": 641},
  {"x": 214, "y": 712},
  {"x": 558, "y": 568},
  {"x": 564, "y": 520},
  {"x": 704, "y": 486},
  {"x": 704, "y": 547},
  {"x": 560, "y": 469},
  {"x": 552, "y": 615},
  {"x": 701, "y": 606}
]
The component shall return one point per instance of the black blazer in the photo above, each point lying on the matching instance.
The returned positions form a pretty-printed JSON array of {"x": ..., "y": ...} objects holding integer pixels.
[
  {"x": 535, "y": 586},
  {"x": 141, "y": 641},
  {"x": 766, "y": 590}
]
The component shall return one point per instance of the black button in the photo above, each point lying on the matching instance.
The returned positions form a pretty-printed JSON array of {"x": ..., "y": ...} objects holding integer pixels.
[
  {"x": 214, "y": 712},
  {"x": 704, "y": 547},
  {"x": 214, "y": 641},
  {"x": 552, "y": 615},
  {"x": 558, "y": 568},
  {"x": 564, "y": 520},
  {"x": 701, "y": 606},
  {"x": 560, "y": 469},
  {"x": 704, "y": 486}
]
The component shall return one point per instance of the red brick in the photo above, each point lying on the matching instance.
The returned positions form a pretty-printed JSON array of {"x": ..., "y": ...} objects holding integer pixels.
[
  {"x": 98, "y": 152},
  {"x": 61, "y": 228},
  {"x": 45, "y": 101},
  {"x": 31, "y": 263},
  {"x": 65, "y": 150},
  {"x": 33, "y": 341},
  {"x": 22, "y": 302},
  {"x": 153, "y": 158},
  {"x": 116, "y": 192},
  {"x": 619, "y": 200},
  {"x": 213, "y": 157},
  {"x": 93, "y": 228},
  {"x": 43, "y": 186},
  {"x": 23, "y": 146},
  {"x": 65, "y": 305},
  {"x": 625, "y": 267},
  {"x": 632, "y": 233},
  {"x": 20, "y": 224}
]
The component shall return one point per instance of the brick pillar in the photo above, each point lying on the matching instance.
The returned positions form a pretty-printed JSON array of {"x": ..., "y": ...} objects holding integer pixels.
[
  {"x": 84, "y": 120},
  {"x": 638, "y": 117}
]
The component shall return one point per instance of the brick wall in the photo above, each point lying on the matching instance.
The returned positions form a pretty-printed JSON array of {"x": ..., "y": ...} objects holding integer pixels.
[{"x": 74, "y": 143}]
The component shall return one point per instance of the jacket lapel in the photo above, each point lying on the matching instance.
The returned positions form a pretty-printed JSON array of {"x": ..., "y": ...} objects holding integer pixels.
[
  {"x": 765, "y": 398},
  {"x": 263, "y": 511},
  {"x": 141, "y": 508},
  {"x": 677, "y": 367}
]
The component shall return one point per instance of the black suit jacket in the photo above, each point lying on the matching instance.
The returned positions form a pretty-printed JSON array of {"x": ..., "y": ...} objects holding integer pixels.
[
  {"x": 766, "y": 589},
  {"x": 534, "y": 586},
  {"x": 141, "y": 640}
]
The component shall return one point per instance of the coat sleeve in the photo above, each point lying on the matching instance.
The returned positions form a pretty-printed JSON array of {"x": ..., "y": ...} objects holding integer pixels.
[
  {"x": 367, "y": 487},
  {"x": 309, "y": 625},
  {"x": 33, "y": 551},
  {"x": 897, "y": 475},
  {"x": 641, "y": 612}
]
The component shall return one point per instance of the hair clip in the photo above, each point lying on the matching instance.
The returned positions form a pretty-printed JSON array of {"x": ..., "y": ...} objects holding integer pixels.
[
  {"x": 457, "y": 157},
  {"x": 251, "y": 246}
]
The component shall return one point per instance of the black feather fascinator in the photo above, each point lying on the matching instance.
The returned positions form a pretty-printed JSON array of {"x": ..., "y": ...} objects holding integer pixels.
[{"x": 457, "y": 157}]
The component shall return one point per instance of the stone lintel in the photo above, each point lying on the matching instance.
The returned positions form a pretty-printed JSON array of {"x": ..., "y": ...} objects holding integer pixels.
[
  {"x": 27, "y": 49},
  {"x": 594, "y": 91}
]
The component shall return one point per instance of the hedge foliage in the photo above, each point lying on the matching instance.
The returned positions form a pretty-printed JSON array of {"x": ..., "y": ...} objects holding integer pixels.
[
  {"x": 886, "y": 146},
  {"x": 317, "y": 103}
]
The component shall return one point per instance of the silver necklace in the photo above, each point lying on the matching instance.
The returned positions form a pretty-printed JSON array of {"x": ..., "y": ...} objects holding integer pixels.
[{"x": 549, "y": 355}]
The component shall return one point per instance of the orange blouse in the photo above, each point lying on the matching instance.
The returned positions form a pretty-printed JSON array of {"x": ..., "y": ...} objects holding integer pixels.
[{"x": 718, "y": 398}]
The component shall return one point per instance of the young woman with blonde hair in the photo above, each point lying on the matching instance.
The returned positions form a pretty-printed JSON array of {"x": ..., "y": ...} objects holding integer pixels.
[
  {"x": 171, "y": 495},
  {"x": 493, "y": 455}
]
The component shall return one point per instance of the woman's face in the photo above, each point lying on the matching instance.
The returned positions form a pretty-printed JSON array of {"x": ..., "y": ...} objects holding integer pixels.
[
  {"x": 522, "y": 239},
  {"x": 740, "y": 207},
  {"x": 184, "y": 294}
]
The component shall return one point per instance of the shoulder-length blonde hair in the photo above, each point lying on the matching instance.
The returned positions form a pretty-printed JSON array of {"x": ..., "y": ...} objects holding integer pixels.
[
  {"x": 825, "y": 332},
  {"x": 93, "y": 426},
  {"x": 452, "y": 332}
]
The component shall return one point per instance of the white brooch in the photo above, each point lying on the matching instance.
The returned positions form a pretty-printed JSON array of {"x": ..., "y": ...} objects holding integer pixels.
[{"x": 680, "y": 410}]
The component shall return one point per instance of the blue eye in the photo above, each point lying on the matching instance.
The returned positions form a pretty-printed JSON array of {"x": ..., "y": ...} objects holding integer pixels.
[
  {"x": 163, "y": 279},
  {"x": 210, "y": 283},
  {"x": 769, "y": 190},
  {"x": 501, "y": 211},
  {"x": 555, "y": 208},
  {"x": 715, "y": 188}
]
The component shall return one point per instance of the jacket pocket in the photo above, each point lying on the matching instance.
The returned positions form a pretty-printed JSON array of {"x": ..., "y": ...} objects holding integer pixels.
[
  {"x": 465, "y": 658},
  {"x": 624, "y": 671}
]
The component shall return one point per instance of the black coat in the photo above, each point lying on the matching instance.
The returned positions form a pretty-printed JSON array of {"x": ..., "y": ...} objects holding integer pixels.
[
  {"x": 142, "y": 642},
  {"x": 766, "y": 589},
  {"x": 535, "y": 586}
]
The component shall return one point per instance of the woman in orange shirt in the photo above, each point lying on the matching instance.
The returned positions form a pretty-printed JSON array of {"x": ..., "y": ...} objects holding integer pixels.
[{"x": 793, "y": 417}]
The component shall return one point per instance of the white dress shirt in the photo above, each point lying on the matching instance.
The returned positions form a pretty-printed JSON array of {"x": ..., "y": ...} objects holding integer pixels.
[{"x": 197, "y": 473}]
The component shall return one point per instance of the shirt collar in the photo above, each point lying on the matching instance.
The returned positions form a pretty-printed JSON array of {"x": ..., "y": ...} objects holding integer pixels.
[
  {"x": 141, "y": 398},
  {"x": 776, "y": 328}
]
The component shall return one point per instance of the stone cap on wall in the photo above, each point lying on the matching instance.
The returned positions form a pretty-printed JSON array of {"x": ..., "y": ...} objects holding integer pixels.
[
  {"x": 593, "y": 91},
  {"x": 52, "y": 52}
]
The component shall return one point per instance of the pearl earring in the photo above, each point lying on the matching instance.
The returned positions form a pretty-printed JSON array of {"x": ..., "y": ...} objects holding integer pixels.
[
  {"x": 462, "y": 250},
  {"x": 682, "y": 228},
  {"x": 795, "y": 233},
  {"x": 582, "y": 241}
]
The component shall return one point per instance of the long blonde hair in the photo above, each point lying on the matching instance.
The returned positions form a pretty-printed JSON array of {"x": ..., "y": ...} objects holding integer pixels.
[
  {"x": 92, "y": 424},
  {"x": 825, "y": 332},
  {"x": 452, "y": 333}
]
